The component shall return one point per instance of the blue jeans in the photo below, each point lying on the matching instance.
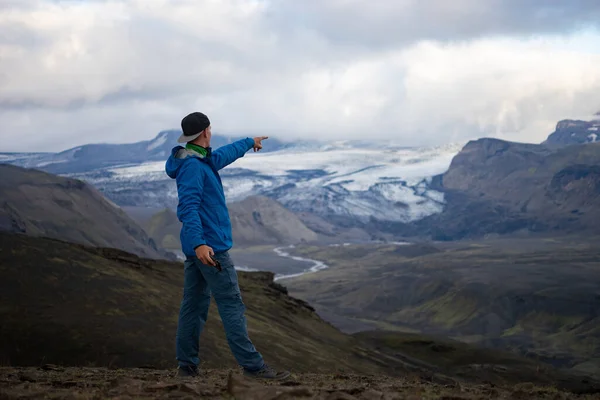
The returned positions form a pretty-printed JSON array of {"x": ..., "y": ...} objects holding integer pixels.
[{"x": 199, "y": 281}]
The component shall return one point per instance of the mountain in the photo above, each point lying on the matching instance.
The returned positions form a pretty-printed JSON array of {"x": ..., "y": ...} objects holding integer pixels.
[
  {"x": 537, "y": 297},
  {"x": 375, "y": 189},
  {"x": 344, "y": 184},
  {"x": 575, "y": 132},
  {"x": 261, "y": 220},
  {"x": 499, "y": 187},
  {"x": 93, "y": 157},
  {"x": 42, "y": 204},
  {"x": 529, "y": 179},
  {"x": 255, "y": 220},
  {"x": 72, "y": 305}
]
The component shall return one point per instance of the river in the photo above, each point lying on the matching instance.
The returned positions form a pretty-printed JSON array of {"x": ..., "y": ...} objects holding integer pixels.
[
  {"x": 315, "y": 267},
  {"x": 279, "y": 260}
]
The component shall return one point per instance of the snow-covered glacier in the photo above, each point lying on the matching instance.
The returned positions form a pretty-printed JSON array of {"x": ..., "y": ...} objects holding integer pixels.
[{"x": 383, "y": 181}]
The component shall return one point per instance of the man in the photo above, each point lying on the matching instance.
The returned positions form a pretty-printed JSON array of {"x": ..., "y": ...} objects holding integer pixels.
[{"x": 206, "y": 239}]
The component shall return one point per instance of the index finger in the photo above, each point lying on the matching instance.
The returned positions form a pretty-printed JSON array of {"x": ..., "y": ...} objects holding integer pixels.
[{"x": 264, "y": 137}]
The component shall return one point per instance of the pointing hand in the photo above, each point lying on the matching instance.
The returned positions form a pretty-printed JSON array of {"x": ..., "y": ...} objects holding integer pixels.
[{"x": 258, "y": 142}]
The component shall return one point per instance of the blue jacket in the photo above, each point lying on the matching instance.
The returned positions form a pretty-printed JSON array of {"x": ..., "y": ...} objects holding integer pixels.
[{"x": 202, "y": 209}]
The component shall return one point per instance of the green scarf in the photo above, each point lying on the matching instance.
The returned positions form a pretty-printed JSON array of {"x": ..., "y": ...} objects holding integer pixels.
[{"x": 198, "y": 149}]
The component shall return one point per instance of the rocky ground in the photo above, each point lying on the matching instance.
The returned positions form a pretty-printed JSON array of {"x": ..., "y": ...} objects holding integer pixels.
[{"x": 53, "y": 382}]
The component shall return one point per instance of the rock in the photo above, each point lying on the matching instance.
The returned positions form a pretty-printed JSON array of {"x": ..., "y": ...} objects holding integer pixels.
[
  {"x": 244, "y": 389},
  {"x": 170, "y": 387},
  {"x": 498, "y": 187},
  {"x": 51, "y": 367},
  {"x": 372, "y": 395},
  {"x": 340, "y": 396},
  {"x": 570, "y": 132}
]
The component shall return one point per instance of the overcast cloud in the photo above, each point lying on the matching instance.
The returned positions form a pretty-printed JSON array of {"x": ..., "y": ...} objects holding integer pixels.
[{"x": 416, "y": 71}]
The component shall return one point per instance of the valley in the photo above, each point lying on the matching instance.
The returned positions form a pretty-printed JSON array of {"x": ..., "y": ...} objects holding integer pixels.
[
  {"x": 538, "y": 297},
  {"x": 278, "y": 260}
]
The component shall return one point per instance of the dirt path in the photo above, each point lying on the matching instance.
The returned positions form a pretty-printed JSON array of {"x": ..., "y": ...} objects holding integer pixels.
[{"x": 99, "y": 383}]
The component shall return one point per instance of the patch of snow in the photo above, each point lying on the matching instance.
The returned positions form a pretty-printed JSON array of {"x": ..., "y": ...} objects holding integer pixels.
[
  {"x": 150, "y": 171},
  {"x": 159, "y": 141},
  {"x": 245, "y": 269},
  {"x": 71, "y": 151},
  {"x": 23, "y": 159},
  {"x": 238, "y": 188},
  {"x": 435, "y": 196},
  {"x": 46, "y": 163},
  {"x": 593, "y": 137},
  {"x": 593, "y": 128},
  {"x": 356, "y": 169},
  {"x": 572, "y": 134},
  {"x": 413, "y": 202}
]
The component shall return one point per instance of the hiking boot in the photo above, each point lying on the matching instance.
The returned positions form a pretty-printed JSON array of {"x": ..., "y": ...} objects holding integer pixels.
[
  {"x": 188, "y": 371},
  {"x": 267, "y": 372}
]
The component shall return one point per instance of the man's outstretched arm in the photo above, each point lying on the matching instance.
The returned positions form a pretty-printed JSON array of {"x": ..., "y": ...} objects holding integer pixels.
[{"x": 225, "y": 155}]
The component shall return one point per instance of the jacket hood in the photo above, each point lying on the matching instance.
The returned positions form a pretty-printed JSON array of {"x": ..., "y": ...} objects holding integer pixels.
[{"x": 178, "y": 156}]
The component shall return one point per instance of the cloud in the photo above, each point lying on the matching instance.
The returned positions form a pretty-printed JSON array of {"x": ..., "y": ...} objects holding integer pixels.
[
  {"x": 505, "y": 88},
  {"x": 419, "y": 72},
  {"x": 389, "y": 22}
]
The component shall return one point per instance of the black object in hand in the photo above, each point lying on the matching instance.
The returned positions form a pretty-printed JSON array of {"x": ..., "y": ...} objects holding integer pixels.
[{"x": 217, "y": 263}]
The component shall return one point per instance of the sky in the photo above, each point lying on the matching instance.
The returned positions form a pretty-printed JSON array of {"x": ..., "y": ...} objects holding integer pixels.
[{"x": 419, "y": 72}]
